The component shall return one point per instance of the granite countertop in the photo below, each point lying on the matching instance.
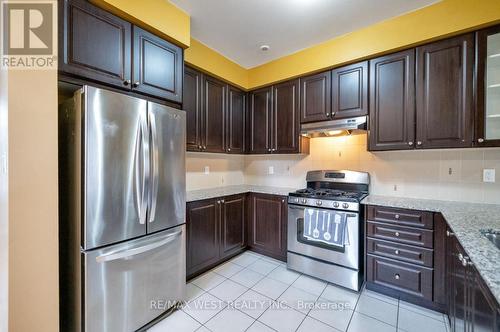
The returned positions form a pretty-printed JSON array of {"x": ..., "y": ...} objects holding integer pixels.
[
  {"x": 197, "y": 195},
  {"x": 465, "y": 220}
]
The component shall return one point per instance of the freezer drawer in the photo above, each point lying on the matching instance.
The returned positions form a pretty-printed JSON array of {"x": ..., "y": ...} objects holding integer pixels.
[{"x": 128, "y": 285}]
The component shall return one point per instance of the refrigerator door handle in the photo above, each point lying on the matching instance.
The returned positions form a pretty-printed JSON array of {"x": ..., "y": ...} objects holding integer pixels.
[
  {"x": 145, "y": 168},
  {"x": 139, "y": 180},
  {"x": 120, "y": 254},
  {"x": 154, "y": 166}
]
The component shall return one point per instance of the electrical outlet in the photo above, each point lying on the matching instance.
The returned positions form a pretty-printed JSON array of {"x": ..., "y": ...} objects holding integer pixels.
[
  {"x": 207, "y": 170},
  {"x": 271, "y": 170},
  {"x": 395, "y": 188},
  {"x": 489, "y": 175}
]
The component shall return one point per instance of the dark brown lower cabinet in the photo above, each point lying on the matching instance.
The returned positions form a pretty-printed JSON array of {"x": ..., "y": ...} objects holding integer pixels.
[
  {"x": 470, "y": 304},
  {"x": 268, "y": 225},
  {"x": 215, "y": 231}
]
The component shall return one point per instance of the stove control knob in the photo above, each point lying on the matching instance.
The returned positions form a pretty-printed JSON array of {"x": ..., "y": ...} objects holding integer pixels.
[
  {"x": 336, "y": 204},
  {"x": 319, "y": 203},
  {"x": 296, "y": 200},
  {"x": 345, "y": 205},
  {"x": 304, "y": 200}
]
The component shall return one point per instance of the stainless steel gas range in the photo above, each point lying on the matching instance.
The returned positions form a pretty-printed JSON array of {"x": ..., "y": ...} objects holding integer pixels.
[{"x": 325, "y": 227}]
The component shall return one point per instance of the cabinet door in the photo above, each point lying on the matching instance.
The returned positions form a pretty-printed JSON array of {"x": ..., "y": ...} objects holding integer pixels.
[
  {"x": 158, "y": 66},
  {"x": 392, "y": 102},
  {"x": 488, "y": 87},
  {"x": 236, "y": 112},
  {"x": 350, "y": 91},
  {"x": 483, "y": 307},
  {"x": 459, "y": 290},
  {"x": 259, "y": 120},
  {"x": 94, "y": 44},
  {"x": 192, "y": 106},
  {"x": 202, "y": 235},
  {"x": 268, "y": 225},
  {"x": 315, "y": 97},
  {"x": 232, "y": 225},
  {"x": 214, "y": 106},
  {"x": 444, "y": 93},
  {"x": 285, "y": 122}
]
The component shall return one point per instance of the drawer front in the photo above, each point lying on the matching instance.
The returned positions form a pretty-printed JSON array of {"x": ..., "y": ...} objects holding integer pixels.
[
  {"x": 408, "y": 278},
  {"x": 406, "y": 235},
  {"x": 402, "y": 217},
  {"x": 402, "y": 252}
]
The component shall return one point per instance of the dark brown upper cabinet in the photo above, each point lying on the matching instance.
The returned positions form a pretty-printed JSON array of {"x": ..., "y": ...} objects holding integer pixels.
[
  {"x": 488, "y": 87},
  {"x": 101, "y": 47},
  {"x": 315, "y": 97},
  {"x": 192, "y": 107},
  {"x": 235, "y": 128},
  {"x": 213, "y": 109},
  {"x": 392, "y": 102},
  {"x": 268, "y": 225},
  {"x": 444, "y": 85},
  {"x": 285, "y": 120},
  {"x": 259, "y": 120},
  {"x": 94, "y": 44},
  {"x": 157, "y": 66},
  {"x": 350, "y": 91}
]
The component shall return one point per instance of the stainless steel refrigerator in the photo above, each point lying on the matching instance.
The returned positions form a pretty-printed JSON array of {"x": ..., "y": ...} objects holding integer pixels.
[{"x": 122, "y": 220}]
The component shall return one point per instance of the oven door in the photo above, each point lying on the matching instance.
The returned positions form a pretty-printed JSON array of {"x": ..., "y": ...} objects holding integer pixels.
[{"x": 347, "y": 256}]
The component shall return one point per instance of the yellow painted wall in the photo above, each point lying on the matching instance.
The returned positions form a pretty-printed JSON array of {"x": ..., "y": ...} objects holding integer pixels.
[
  {"x": 206, "y": 59},
  {"x": 160, "y": 16},
  {"x": 441, "y": 19}
]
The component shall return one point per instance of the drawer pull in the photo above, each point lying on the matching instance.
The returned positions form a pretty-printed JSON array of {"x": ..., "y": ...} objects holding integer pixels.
[
  {"x": 396, "y": 276},
  {"x": 396, "y": 216},
  {"x": 397, "y": 233},
  {"x": 396, "y": 252}
]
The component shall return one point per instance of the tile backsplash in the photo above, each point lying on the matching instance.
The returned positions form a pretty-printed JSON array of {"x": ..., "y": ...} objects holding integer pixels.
[{"x": 454, "y": 174}]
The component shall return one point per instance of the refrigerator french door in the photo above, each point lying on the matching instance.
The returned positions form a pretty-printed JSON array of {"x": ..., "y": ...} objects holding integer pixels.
[{"x": 122, "y": 232}]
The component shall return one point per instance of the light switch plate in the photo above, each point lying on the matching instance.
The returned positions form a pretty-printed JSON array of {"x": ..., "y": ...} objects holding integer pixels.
[
  {"x": 271, "y": 170},
  {"x": 207, "y": 170},
  {"x": 489, "y": 175}
]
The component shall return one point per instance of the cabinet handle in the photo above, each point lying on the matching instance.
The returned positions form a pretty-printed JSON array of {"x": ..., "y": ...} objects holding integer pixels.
[
  {"x": 480, "y": 140},
  {"x": 397, "y": 276},
  {"x": 397, "y": 233},
  {"x": 218, "y": 202},
  {"x": 410, "y": 143},
  {"x": 228, "y": 149},
  {"x": 200, "y": 147},
  {"x": 327, "y": 114},
  {"x": 397, "y": 216},
  {"x": 449, "y": 234},
  {"x": 222, "y": 201},
  {"x": 282, "y": 201},
  {"x": 396, "y": 252},
  {"x": 126, "y": 82},
  {"x": 419, "y": 143},
  {"x": 204, "y": 147},
  {"x": 269, "y": 150},
  {"x": 136, "y": 84},
  {"x": 460, "y": 257}
]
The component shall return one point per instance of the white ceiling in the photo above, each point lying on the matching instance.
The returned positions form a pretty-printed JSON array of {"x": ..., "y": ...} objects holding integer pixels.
[{"x": 237, "y": 28}]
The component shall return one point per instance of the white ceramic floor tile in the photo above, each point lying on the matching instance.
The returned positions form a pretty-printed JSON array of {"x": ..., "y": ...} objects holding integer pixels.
[
  {"x": 298, "y": 299},
  {"x": 208, "y": 280},
  {"x": 331, "y": 313},
  {"x": 228, "y": 269},
  {"x": 270, "y": 288},
  {"x": 259, "y": 327},
  {"x": 310, "y": 285},
  {"x": 421, "y": 310},
  {"x": 177, "y": 321},
  {"x": 379, "y": 296},
  {"x": 244, "y": 259},
  {"x": 228, "y": 290},
  {"x": 375, "y": 308},
  {"x": 362, "y": 323},
  {"x": 252, "y": 303},
  {"x": 272, "y": 260},
  {"x": 229, "y": 320},
  {"x": 193, "y": 291},
  {"x": 341, "y": 295},
  {"x": 204, "y": 307},
  {"x": 412, "y": 321},
  {"x": 263, "y": 267},
  {"x": 284, "y": 275},
  {"x": 312, "y": 325},
  {"x": 203, "y": 329},
  {"x": 282, "y": 318},
  {"x": 247, "y": 277}
]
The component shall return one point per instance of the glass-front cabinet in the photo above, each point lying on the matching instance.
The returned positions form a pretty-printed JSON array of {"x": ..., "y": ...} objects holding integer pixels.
[{"x": 488, "y": 87}]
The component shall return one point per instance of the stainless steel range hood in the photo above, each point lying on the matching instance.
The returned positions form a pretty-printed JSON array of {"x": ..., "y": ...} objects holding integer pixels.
[{"x": 334, "y": 127}]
